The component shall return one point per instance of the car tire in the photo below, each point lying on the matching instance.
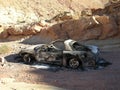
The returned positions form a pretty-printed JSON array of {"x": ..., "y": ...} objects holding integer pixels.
[
  {"x": 74, "y": 63},
  {"x": 27, "y": 58}
]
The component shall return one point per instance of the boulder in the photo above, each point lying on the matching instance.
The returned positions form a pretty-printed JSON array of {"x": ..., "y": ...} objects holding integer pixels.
[
  {"x": 76, "y": 29},
  {"x": 14, "y": 30},
  {"x": 3, "y": 32},
  {"x": 2, "y": 61},
  {"x": 109, "y": 27}
]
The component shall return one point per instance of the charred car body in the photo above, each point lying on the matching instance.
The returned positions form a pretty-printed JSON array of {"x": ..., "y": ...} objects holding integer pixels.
[{"x": 68, "y": 53}]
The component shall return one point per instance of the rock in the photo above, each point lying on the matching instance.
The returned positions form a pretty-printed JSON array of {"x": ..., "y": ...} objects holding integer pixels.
[
  {"x": 37, "y": 28},
  {"x": 92, "y": 34},
  {"x": 42, "y": 23},
  {"x": 63, "y": 16},
  {"x": 118, "y": 21},
  {"x": 14, "y": 30},
  {"x": 88, "y": 27},
  {"x": 3, "y": 33},
  {"x": 99, "y": 27},
  {"x": 2, "y": 61},
  {"x": 114, "y": 1},
  {"x": 17, "y": 30},
  {"x": 109, "y": 27},
  {"x": 1, "y": 28},
  {"x": 112, "y": 28},
  {"x": 29, "y": 31},
  {"x": 76, "y": 29}
]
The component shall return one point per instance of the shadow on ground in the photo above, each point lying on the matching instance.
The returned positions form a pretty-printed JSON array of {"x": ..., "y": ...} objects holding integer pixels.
[
  {"x": 104, "y": 79},
  {"x": 12, "y": 58}
]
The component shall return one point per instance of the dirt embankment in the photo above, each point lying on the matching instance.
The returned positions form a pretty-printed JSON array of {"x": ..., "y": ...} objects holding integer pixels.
[{"x": 30, "y": 16}]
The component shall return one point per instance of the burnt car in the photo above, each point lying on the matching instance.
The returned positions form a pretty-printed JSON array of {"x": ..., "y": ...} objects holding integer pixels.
[{"x": 68, "y": 53}]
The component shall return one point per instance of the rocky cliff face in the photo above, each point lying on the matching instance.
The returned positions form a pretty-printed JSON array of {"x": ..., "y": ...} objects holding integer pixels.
[{"x": 26, "y": 18}]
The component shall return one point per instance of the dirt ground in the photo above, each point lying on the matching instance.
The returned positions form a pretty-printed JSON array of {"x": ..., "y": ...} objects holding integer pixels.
[{"x": 61, "y": 79}]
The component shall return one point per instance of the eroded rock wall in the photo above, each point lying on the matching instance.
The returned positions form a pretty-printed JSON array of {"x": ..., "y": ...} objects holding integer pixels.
[{"x": 82, "y": 28}]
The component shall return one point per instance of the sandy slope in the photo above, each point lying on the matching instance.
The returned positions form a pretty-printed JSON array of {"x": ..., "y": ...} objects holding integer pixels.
[{"x": 35, "y": 10}]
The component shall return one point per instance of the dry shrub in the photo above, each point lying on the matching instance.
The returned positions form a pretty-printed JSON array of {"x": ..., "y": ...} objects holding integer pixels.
[{"x": 4, "y": 49}]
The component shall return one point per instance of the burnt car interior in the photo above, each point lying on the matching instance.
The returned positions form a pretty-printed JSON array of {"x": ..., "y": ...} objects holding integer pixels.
[
  {"x": 59, "y": 44},
  {"x": 80, "y": 47}
]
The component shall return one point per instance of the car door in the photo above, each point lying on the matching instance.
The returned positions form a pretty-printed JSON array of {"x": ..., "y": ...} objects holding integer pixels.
[{"x": 49, "y": 54}]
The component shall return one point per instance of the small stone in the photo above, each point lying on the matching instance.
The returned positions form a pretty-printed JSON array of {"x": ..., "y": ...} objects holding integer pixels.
[{"x": 2, "y": 61}]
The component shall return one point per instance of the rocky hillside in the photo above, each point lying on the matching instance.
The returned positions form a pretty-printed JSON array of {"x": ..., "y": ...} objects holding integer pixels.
[
  {"x": 19, "y": 11},
  {"x": 54, "y": 19}
]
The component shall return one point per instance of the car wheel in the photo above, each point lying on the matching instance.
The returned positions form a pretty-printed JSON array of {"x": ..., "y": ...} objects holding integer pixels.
[
  {"x": 74, "y": 63},
  {"x": 27, "y": 58}
]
